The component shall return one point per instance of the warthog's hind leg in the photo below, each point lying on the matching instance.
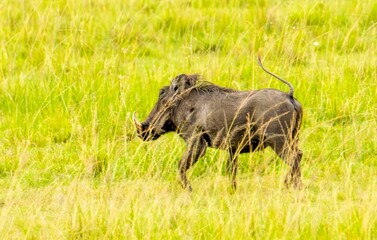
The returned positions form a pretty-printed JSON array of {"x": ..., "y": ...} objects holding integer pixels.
[
  {"x": 294, "y": 176},
  {"x": 291, "y": 155}
]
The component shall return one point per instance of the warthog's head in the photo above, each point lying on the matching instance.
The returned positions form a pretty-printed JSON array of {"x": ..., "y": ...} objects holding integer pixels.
[{"x": 160, "y": 119}]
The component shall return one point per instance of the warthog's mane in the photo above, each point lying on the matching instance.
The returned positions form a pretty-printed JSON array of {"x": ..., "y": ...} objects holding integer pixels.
[
  {"x": 208, "y": 87},
  {"x": 202, "y": 86}
]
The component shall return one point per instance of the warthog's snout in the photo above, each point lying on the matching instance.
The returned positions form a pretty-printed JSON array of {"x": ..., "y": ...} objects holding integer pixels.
[{"x": 144, "y": 131}]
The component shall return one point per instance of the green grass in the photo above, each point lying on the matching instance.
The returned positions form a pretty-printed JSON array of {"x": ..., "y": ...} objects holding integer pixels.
[{"x": 72, "y": 73}]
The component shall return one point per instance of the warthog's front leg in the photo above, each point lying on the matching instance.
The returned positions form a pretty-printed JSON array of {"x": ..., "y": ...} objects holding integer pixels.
[
  {"x": 195, "y": 149},
  {"x": 231, "y": 168}
]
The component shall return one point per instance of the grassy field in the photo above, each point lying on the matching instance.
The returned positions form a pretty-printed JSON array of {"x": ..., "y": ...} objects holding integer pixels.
[{"x": 72, "y": 73}]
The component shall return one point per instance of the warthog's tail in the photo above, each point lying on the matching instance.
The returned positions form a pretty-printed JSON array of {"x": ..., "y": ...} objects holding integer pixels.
[{"x": 284, "y": 81}]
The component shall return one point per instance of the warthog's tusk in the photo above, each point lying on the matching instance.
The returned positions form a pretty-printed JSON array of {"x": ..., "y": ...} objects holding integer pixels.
[{"x": 138, "y": 125}]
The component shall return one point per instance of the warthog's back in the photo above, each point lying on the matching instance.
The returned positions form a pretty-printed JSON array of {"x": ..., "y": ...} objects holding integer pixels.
[{"x": 228, "y": 117}]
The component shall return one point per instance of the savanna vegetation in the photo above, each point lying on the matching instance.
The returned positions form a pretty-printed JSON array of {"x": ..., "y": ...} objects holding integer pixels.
[{"x": 73, "y": 72}]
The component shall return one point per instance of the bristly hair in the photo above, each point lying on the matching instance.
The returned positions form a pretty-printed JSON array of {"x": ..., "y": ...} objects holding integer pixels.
[{"x": 203, "y": 86}]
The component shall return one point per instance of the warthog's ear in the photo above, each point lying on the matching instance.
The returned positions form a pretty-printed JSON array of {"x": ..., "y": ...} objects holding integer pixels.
[{"x": 183, "y": 82}]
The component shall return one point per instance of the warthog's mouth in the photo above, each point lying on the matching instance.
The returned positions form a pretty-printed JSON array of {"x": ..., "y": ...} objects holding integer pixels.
[{"x": 148, "y": 135}]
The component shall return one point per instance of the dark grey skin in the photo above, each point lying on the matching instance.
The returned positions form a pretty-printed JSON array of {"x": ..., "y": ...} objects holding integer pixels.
[{"x": 206, "y": 115}]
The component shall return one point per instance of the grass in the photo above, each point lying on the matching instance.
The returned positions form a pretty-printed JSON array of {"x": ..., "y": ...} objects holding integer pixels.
[{"x": 72, "y": 73}]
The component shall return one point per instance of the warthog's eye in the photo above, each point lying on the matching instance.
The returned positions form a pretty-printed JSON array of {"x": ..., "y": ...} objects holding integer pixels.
[
  {"x": 175, "y": 88},
  {"x": 162, "y": 91}
]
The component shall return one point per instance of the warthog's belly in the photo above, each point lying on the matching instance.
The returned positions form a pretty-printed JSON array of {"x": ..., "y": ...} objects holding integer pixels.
[{"x": 242, "y": 141}]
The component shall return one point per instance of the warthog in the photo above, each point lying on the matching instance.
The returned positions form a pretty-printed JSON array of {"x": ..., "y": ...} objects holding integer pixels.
[{"x": 207, "y": 115}]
